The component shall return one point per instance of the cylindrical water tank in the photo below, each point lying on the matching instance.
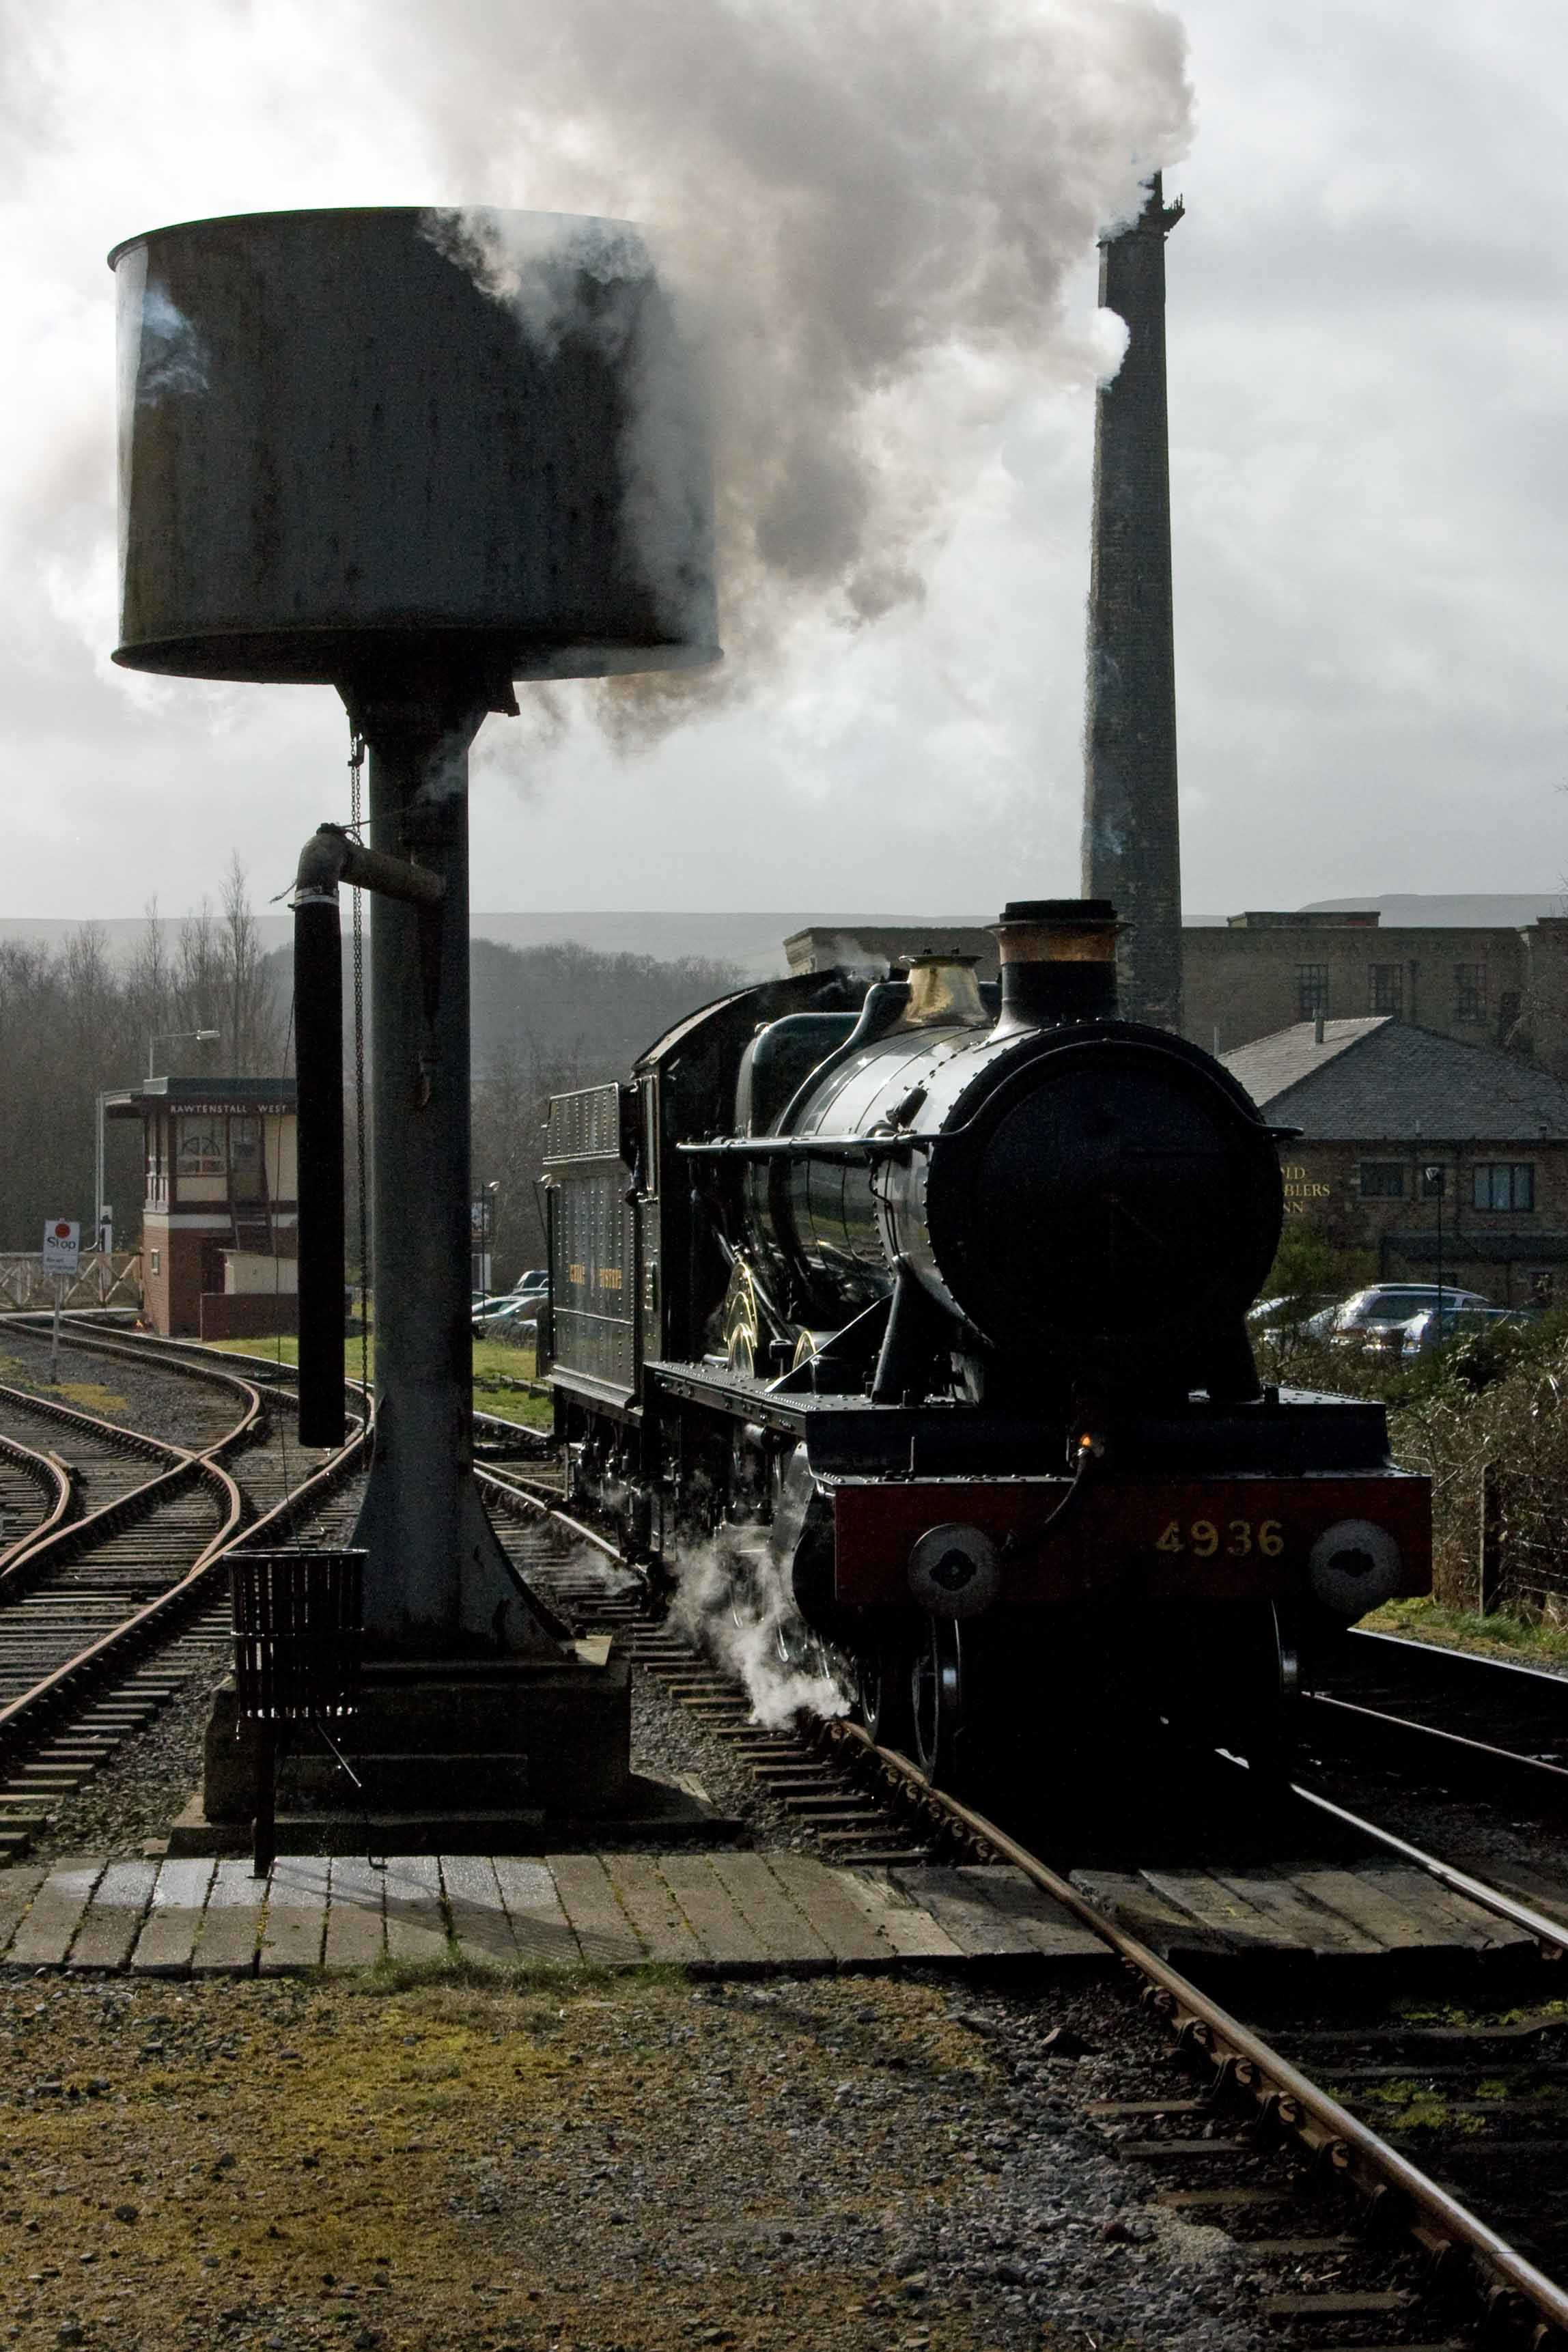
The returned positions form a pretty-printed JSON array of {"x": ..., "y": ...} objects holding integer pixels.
[{"x": 347, "y": 435}]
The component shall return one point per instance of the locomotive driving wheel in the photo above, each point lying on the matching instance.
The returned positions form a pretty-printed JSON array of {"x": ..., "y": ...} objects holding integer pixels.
[
  {"x": 936, "y": 1702},
  {"x": 882, "y": 1699}
]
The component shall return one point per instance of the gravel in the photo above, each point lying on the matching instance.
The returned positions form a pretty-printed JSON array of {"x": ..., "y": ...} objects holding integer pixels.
[
  {"x": 133, "y": 1800},
  {"x": 137, "y": 1396},
  {"x": 150, "y": 1778},
  {"x": 889, "y": 2165},
  {"x": 669, "y": 1740}
]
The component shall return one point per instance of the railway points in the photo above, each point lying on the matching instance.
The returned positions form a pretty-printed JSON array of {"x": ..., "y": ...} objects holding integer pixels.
[{"x": 119, "y": 1603}]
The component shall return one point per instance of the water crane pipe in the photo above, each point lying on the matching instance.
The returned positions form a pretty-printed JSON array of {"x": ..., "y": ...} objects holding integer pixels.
[{"x": 328, "y": 857}]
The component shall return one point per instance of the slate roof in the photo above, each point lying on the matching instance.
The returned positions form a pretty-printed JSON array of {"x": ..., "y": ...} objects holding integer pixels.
[{"x": 1379, "y": 1079}]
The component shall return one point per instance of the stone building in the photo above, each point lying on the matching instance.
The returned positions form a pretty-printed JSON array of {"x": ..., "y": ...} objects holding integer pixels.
[
  {"x": 1497, "y": 985},
  {"x": 1441, "y": 1155}
]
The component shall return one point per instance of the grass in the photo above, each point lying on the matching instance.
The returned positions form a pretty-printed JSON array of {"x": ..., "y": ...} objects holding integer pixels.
[
  {"x": 502, "y": 1374},
  {"x": 1498, "y": 1636},
  {"x": 88, "y": 1396}
]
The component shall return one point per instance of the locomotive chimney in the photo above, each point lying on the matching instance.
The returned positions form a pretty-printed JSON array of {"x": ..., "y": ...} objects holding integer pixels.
[
  {"x": 1059, "y": 961},
  {"x": 1132, "y": 848}
]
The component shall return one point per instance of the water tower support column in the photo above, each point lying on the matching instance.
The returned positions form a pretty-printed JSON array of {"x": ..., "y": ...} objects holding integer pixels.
[{"x": 437, "y": 1583}]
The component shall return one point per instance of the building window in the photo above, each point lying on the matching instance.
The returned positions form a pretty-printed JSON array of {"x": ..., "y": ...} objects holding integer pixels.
[
  {"x": 201, "y": 1147},
  {"x": 1383, "y": 1180},
  {"x": 245, "y": 1157},
  {"x": 1504, "y": 1185},
  {"x": 1470, "y": 992},
  {"x": 1312, "y": 990},
  {"x": 157, "y": 1261},
  {"x": 1385, "y": 987}
]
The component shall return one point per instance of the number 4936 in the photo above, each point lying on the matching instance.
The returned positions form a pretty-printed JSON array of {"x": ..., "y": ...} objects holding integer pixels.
[{"x": 1235, "y": 1538}]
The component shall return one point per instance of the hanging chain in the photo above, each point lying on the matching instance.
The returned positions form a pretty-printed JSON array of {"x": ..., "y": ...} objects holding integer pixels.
[{"x": 356, "y": 822}]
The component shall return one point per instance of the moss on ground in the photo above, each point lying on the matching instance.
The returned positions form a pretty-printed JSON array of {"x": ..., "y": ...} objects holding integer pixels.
[
  {"x": 449, "y": 2162},
  {"x": 88, "y": 1396}
]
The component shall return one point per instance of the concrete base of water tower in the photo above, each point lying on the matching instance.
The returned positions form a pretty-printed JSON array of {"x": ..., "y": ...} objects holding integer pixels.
[{"x": 466, "y": 1755}]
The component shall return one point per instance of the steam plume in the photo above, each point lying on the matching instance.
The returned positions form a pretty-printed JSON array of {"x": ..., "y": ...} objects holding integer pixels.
[
  {"x": 732, "y": 1598},
  {"x": 867, "y": 211}
]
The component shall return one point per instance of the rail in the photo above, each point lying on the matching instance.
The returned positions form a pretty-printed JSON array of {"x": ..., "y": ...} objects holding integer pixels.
[
  {"x": 55, "y": 1476},
  {"x": 1241, "y": 2061},
  {"x": 32, "y": 1709},
  {"x": 1283, "y": 2095}
]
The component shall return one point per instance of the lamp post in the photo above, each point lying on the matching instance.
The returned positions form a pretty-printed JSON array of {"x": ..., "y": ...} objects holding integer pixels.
[
  {"x": 177, "y": 1036},
  {"x": 1432, "y": 1178}
]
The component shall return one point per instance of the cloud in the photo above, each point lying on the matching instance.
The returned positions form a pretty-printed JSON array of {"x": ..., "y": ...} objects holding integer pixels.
[{"x": 1368, "y": 363}]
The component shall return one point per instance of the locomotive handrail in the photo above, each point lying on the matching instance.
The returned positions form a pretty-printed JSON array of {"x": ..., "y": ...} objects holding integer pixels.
[{"x": 852, "y": 1150}]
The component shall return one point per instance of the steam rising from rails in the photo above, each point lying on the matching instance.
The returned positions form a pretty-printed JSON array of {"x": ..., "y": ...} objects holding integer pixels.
[{"x": 732, "y": 1598}]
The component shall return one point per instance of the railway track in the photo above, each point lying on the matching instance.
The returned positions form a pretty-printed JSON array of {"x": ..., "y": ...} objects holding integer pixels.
[
  {"x": 1437, "y": 1714},
  {"x": 1398, "y": 2181},
  {"x": 1359, "y": 2236},
  {"x": 113, "y": 1597}
]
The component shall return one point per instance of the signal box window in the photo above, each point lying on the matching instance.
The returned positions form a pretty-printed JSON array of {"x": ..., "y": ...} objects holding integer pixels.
[
  {"x": 1383, "y": 1180},
  {"x": 1312, "y": 990},
  {"x": 1504, "y": 1185},
  {"x": 244, "y": 1152},
  {"x": 1385, "y": 987},
  {"x": 1470, "y": 992},
  {"x": 201, "y": 1147}
]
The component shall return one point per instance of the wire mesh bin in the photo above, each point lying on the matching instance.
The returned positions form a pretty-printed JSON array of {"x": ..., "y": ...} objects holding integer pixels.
[{"x": 298, "y": 1619}]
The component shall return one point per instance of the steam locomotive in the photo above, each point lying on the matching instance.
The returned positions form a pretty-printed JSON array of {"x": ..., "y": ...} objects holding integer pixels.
[{"x": 931, "y": 1298}]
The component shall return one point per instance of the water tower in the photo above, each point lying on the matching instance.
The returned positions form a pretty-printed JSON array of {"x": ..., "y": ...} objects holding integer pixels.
[{"x": 416, "y": 457}]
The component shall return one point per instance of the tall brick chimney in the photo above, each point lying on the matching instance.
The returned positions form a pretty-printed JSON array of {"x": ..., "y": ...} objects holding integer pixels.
[{"x": 1131, "y": 845}]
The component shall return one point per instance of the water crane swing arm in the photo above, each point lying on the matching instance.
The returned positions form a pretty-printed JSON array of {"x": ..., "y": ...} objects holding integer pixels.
[{"x": 332, "y": 855}]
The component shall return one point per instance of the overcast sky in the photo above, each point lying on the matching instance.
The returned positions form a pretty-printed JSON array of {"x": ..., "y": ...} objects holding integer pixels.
[{"x": 1368, "y": 348}]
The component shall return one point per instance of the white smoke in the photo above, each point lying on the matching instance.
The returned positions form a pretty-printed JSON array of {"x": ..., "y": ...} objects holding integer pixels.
[
  {"x": 733, "y": 1600},
  {"x": 868, "y": 213},
  {"x": 562, "y": 276}
]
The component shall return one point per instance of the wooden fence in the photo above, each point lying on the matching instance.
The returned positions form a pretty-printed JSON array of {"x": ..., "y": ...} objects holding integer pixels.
[
  {"x": 1522, "y": 1549},
  {"x": 103, "y": 1278}
]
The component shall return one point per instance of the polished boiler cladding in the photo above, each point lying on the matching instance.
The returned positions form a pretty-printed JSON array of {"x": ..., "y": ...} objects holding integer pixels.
[
  {"x": 380, "y": 434},
  {"x": 1096, "y": 1197},
  {"x": 947, "y": 1290}
]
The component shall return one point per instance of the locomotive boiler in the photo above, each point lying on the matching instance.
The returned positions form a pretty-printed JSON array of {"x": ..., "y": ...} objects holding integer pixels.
[{"x": 937, "y": 1294}]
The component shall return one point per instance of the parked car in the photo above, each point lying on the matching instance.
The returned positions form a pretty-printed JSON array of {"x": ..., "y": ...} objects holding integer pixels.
[
  {"x": 1293, "y": 1311},
  {"x": 509, "y": 1310},
  {"x": 1375, "y": 1318},
  {"x": 1434, "y": 1327}
]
